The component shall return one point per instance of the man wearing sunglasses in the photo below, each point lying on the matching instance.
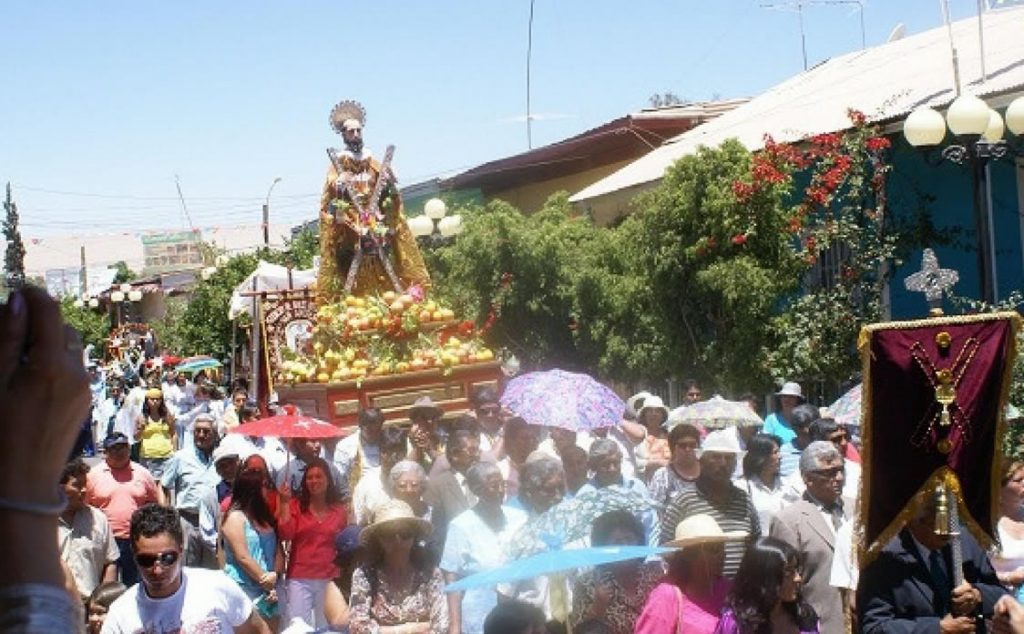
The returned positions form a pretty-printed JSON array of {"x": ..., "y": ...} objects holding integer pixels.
[
  {"x": 810, "y": 525},
  {"x": 171, "y": 597}
]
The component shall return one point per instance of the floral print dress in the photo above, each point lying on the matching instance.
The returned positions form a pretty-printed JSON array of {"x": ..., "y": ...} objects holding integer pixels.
[
  {"x": 625, "y": 607},
  {"x": 422, "y": 602}
]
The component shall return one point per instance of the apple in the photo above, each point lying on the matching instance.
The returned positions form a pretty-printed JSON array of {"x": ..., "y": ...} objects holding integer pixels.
[{"x": 389, "y": 296}]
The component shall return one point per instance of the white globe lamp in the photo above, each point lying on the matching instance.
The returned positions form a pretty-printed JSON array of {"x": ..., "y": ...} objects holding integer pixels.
[{"x": 924, "y": 127}]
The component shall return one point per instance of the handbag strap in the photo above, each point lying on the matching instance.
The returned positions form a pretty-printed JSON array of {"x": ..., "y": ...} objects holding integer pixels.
[{"x": 679, "y": 611}]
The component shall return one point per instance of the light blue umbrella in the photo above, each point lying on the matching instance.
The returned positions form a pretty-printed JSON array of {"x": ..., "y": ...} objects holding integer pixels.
[{"x": 553, "y": 562}]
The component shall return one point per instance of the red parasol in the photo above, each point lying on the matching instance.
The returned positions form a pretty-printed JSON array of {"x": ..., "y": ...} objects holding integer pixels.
[
  {"x": 170, "y": 359},
  {"x": 290, "y": 426}
]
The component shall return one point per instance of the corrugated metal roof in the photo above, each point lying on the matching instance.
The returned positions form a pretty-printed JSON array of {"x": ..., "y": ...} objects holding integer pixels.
[
  {"x": 885, "y": 82},
  {"x": 620, "y": 139}
]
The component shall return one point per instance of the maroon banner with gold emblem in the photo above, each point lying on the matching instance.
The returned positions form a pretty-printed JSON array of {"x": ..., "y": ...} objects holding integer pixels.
[{"x": 932, "y": 405}]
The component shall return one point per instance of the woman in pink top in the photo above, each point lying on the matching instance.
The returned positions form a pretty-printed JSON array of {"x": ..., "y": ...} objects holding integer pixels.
[
  {"x": 310, "y": 524},
  {"x": 694, "y": 590}
]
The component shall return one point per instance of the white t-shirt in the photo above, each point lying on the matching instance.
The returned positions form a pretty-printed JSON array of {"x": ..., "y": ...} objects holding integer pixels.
[{"x": 208, "y": 602}]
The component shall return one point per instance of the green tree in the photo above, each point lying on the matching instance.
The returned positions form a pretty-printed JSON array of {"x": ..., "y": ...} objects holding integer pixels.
[
  {"x": 124, "y": 273},
  {"x": 14, "y": 256},
  {"x": 93, "y": 326},
  {"x": 524, "y": 268}
]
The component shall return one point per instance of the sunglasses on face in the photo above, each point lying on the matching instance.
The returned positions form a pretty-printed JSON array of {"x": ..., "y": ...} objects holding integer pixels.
[
  {"x": 829, "y": 473},
  {"x": 165, "y": 559}
]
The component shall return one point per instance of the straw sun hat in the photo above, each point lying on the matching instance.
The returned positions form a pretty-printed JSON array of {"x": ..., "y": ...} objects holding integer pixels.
[
  {"x": 394, "y": 515},
  {"x": 702, "y": 529}
]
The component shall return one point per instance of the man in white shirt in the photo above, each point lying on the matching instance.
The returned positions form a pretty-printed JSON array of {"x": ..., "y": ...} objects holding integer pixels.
[
  {"x": 358, "y": 454},
  {"x": 171, "y": 597},
  {"x": 87, "y": 544}
]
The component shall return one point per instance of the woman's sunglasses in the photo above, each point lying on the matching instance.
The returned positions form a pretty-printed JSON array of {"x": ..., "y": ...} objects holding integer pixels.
[{"x": 165, "y": 559}]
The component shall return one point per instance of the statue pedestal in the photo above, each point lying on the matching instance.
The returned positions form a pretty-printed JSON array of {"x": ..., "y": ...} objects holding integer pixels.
[{"x": 394, "y": 394}]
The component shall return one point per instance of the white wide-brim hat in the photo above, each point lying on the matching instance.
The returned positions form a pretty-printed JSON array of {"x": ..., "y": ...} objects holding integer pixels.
[
  {"x": 791, "y": 388},
  {"x": 653, "y": 402},
  {"x": 391, "y": 515},
  {"x": 702, "y": 529}
]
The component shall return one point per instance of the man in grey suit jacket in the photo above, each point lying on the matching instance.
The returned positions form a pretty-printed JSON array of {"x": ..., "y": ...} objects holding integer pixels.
[
  {"x": 447, "y": 492},
  {"x": 810, "y": 526}
]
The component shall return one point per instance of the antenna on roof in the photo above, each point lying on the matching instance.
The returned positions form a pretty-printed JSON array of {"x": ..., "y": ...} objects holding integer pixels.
[
  {"x": 798, "y": 6},
  {"x": 898, "y": 32},
  {"x": 944, "y": 5}
]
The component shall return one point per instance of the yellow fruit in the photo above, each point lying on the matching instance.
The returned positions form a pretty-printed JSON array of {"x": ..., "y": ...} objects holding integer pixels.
[
  {"x": 350, "y": 355},
  {"x": 485, "y": 355},
  {"x": 323, "y": 377},
  {"x": 430, "y": 305},
  {"x": 360, "y": 364},
  {"x": 350, "y": 301},
  {"x": 401, "y": 366},
  {"x": 406, "y": 299},
  {"x": 447, "y": 313},
  {"x": 389, "y": 296},
  {"x": 359, "y": 302}
]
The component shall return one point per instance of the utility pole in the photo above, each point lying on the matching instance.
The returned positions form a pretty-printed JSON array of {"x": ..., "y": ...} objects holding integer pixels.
[
  {"x": 266, "y": 213},
  {"x": 84, "y": 276}
]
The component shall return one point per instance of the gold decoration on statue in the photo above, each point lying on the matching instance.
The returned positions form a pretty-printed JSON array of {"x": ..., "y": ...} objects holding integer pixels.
[{"x": 943, "y": 340}]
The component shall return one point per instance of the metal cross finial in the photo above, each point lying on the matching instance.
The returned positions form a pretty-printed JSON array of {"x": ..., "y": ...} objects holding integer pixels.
[{"x": 931, "y": 280}]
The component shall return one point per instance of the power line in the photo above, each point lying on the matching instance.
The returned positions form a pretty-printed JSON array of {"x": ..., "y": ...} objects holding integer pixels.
[{"x": 56, "y": 192}]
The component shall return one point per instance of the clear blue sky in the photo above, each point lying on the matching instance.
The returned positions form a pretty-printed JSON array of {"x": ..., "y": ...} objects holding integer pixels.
[{"x": 108, "y": 101}]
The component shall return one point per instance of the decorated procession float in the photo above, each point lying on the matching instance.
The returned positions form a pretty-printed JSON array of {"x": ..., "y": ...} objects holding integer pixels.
[{"x": 363, "y": 328}]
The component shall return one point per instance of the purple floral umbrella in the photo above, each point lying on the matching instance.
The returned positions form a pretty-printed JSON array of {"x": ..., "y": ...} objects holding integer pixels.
[{"x": 557, "y": 398}]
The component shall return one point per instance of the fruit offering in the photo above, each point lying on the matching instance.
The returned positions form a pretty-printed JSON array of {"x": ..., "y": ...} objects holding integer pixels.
[{"x": 392, "y": 333}]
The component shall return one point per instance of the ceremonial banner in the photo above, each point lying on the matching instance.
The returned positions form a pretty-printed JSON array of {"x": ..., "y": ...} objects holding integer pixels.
[{"x": 931, "y": 412}]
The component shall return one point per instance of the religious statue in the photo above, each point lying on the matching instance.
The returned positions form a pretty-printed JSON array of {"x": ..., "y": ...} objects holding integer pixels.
[{"x": 365, "y": 244}]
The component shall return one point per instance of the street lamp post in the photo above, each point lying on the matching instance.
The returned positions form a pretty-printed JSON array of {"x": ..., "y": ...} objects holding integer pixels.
[
  {"x": 435, "y": 224},
  {"x": 977, "y": 139},
  {"x": 266, "y": 213}
]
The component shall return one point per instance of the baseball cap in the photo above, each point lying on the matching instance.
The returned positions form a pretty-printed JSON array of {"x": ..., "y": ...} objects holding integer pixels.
[{"x": 116, "y": 438}]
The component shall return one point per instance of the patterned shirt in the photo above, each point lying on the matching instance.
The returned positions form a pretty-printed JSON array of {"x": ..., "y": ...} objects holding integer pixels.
[
  {"x": 625, "y": 607},
  {"x": 423, "y": 602},
  {"x": 736, "y": 513},
  {"x": 666, "y": 485}
]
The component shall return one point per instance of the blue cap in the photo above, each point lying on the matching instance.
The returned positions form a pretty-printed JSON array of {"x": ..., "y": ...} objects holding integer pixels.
[{"x": 347, "y": 541}]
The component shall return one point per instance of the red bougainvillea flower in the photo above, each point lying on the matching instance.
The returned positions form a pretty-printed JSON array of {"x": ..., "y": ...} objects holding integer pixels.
[
  {"x": 877, "y": 143},
  {"x": 739, "y": 239},
  {"x": 743, "y": 191},
  {"x": 857, "y": 117}
]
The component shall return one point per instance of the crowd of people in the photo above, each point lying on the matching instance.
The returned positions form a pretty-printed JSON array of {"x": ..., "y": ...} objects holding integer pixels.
[{"x": 182, "y": 527}]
